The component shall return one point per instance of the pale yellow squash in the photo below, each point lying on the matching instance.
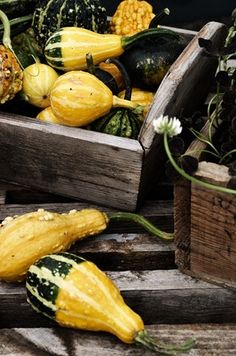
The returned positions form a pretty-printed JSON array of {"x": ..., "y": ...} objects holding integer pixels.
[{"x": 38, "y": 79}]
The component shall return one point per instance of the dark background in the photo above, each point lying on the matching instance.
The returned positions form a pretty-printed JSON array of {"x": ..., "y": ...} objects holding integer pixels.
[{"x": 189, "y": 13}]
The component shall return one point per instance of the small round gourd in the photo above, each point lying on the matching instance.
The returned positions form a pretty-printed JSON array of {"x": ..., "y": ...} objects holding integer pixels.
[{"x": 38, "y": 79}]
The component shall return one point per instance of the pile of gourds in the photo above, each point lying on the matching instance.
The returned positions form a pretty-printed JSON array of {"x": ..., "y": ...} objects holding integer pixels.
[{"x": 53, "y": 72}]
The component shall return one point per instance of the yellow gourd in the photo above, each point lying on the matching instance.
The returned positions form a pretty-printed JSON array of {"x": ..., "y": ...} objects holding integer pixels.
[
  {"x": 78, "y": 98},
  {"x": 131, "y": 16},
  {"x": 77, "y": 294},
  {"x": 47, "y": 115},
  {"x": 26, "y": 238},
  {"x": 38, "y": 79},
  {"x": 140, "y": 97}
]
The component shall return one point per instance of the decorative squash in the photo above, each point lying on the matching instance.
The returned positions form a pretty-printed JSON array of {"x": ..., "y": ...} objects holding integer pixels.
[
  {"x": 130, "y": 17},
  {"x": 11, "y": 73},
  {"x": 26, "y": 238},
  {"x": 66, "y": 49},
  {"x": 37, "y": 83},
  {"x": 78, "y": 98},
  {"x": 114, "y": 71},
  {"x": 121, "y": 121},
  {"x": 47, "y": 115},
  {"x": 139, "y": 96},
  {"x": 77, "y": 294},
  {"x": 50, "y": 16}
]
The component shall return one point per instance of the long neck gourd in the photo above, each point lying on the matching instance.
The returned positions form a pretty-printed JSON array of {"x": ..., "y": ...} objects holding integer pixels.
[{"x": 66, "y": 49}]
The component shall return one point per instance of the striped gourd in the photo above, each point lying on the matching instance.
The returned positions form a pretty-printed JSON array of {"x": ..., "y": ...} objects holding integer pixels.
[
  {"x": 66, "y": 48},
  {"x": 50, "y": 15},
  {"x": 77, "y": 294}
]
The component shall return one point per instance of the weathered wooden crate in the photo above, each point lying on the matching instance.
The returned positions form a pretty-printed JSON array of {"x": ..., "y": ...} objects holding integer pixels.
[
  {"x": 205, "y": 224},
  {"x": 101, "y": 168},
  {"x": 174, "y": 306}
]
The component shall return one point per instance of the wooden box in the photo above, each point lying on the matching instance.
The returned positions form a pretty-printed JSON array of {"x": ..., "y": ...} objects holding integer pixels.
[
  {"x": 205, "y": 225},
  {"x": 101, "y": 168}
]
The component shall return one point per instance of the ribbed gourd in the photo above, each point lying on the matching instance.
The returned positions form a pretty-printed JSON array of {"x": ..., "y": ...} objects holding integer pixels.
[
  {"x": 79, "y": 98},
  {"x": 51, "y": 15},
  {"x": 77, "y": 294},
  {"x": 123, "y": 122}
]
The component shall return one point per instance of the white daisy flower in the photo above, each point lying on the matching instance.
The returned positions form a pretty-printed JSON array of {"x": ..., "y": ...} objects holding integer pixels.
[{"x": 164, "y": 124}]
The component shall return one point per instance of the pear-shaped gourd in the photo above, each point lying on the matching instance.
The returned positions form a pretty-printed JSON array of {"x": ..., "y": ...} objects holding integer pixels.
[{"x": 79, "y": 98}]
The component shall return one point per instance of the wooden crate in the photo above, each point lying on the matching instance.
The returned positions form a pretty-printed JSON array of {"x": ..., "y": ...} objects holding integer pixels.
[
  {"x": 174, "y": 306},
  {"x": 101, "y": 168},
  {"x": 205, "y": 228}
]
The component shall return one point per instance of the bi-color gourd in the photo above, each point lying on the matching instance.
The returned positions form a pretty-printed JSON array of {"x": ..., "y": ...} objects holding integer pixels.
[{"x": 77, "y": 294}]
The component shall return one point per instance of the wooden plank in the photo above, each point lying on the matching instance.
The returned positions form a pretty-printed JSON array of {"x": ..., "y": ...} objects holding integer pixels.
[
  {"x": 210, "y": 339},
  {"x": 159, "y": 296},
  {"x": 213, "y": 236},
  {"x": 190, "y": 76},
  {"x": 72, "y": 162}
]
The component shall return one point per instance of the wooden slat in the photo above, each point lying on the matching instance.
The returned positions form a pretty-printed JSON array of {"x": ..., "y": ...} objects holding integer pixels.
[
  {"x": 72, "y": 162},
  {"x": 179, "y": 85},
  {"x": 159, "y": 296},
  {"x": 210, "y": 339}
]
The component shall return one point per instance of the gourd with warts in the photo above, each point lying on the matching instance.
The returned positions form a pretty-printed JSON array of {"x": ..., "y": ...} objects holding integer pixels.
[{"x": 26, "y": 238}]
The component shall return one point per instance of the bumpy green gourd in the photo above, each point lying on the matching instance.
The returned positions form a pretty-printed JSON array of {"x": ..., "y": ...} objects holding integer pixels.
[{"x": 51, "y": 15}]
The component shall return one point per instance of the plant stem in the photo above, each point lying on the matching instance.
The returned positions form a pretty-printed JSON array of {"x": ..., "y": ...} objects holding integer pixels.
[
  {"x": 191, "y": 178},
  {"x": 6, "y": 39},
  {"x": 161, "y": 349},
  {"x": 147, "y": 225}
]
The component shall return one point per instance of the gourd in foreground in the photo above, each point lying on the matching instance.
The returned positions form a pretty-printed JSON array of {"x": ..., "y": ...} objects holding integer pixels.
[
  {"x": 77, "y": 294},
  {"x": 26, "y": 238}
]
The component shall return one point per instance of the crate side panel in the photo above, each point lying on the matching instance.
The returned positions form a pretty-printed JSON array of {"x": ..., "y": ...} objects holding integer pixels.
[
  {"x": 61, "y": 161},
  {"x": 187, "y": 82},
  {"x": 213, "y": 236}
]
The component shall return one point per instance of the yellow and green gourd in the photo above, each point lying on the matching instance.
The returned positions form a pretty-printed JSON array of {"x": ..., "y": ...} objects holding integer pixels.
[{"x": 77, "y": 294}]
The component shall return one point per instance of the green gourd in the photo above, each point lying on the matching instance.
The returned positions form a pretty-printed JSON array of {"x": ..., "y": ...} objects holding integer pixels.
[{"x": 51, "y": 15}]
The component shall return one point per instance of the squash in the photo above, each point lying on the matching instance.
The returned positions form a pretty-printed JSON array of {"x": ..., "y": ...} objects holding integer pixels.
[
  {"x": 47, "y": 115},
  {"x": 114, "y": 71},
  {"x": 77, "y": 294},
  {"x": 139, "y": 96},
  {"x": 50, "y": 16},
  {"x": 66, "y": 49},
  {"x": 37, "y": 83},
  {"x": 78, "y": 98},
  {"x": 26, "y": 238},
  {"x": 130, "y": 17},
  {"x": 11, "y": 73},
  {"x": 121, "y": 121},
  {"x": 148, "y": 62}
]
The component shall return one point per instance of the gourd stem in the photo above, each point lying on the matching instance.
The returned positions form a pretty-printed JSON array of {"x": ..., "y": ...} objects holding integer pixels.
[
  {"x": 125, "y": 77},
  {"x": 161, "y": 349},
  {"x": 128, "y": 41},
  {"x": 147, "y": 225},
  {"x": 18, "y": 20},
  {"x": 6, "y": 39},
  {"x": 156, "y": 19},
  {"x": 118, "y": 102},
  {"x": 90, "y": 64}
]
